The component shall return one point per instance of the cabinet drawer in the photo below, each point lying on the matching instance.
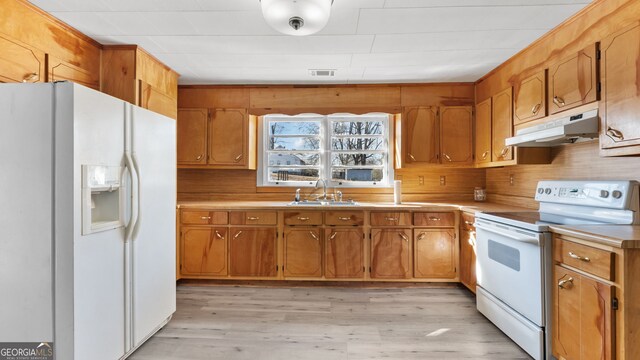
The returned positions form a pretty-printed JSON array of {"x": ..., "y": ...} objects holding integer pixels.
[
  {"x": 390, "y": 218},
  {"x": 303, "y": 218},
  {"x": 437, "y": 219},
  {"x": 466, "y": 222},
  {"x": 594, "y": 261},
  {"x": 253, "y": 218},
  {"x": 344, "y": 218},
  {"x": 199, "y": 217}
]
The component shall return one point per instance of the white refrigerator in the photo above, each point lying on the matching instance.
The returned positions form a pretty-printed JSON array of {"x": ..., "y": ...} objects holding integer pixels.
[{"x": 87, "y": 220}]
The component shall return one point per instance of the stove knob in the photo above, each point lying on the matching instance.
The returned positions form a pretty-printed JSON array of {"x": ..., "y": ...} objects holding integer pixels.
[
  {"x": 540, "y": 190},
  {"x": 617, "y": 194},
  {"x": 547, "y": 191},
  {"x": 604, "y": 194}
]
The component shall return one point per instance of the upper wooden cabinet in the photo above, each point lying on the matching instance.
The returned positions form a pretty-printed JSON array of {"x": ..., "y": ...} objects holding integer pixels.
[
  {"x": 216, "y": 139},
  {"x": 59, "y": 70},
  {"x": 483, "y": 132},
  {"x": 530, "y": 98},
  {"x": 573, "y": 81},
  {"x": 501, "y": 125},
  {"x": 422, "y": 137},
  {"x": 20, "y": 63},
  {"x": 620, "y": 103},
  {"x": 456, "y": 134},
  {"x": 131, "y": 74}
]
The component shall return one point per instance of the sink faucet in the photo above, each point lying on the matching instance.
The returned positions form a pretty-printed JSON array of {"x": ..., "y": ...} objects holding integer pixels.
[{"x": 324, "y": 188}]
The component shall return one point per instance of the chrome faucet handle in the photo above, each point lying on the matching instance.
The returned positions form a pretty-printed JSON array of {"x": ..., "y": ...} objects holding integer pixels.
[
  {"x": 297, "y": 197},
  {"x": 339, "y": 196}
]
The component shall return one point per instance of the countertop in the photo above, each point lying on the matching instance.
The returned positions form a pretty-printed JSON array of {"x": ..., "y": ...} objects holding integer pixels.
[{"x": 620, "y": 236}]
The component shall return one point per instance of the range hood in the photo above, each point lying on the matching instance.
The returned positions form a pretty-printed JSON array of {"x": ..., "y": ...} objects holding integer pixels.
[{"x": 565, "y": 130}]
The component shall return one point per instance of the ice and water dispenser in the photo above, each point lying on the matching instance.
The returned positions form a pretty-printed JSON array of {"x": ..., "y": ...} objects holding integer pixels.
[{"x": 102, "y": 198}]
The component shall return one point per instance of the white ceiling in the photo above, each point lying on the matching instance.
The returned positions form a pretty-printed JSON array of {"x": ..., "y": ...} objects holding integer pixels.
[{"x": 367, "y": 41}]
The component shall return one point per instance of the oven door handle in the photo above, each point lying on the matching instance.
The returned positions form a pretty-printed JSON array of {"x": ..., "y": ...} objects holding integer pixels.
[{"x": 514, "y": 235}]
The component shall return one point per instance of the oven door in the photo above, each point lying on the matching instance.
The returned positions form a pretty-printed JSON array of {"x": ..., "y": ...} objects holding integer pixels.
[{"x": 510, "y": 266}]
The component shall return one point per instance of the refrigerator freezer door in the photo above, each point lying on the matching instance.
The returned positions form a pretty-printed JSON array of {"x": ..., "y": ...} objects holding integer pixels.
[
  {"x": 98, "y": 258},
  {"x": 153, "y": 242}
]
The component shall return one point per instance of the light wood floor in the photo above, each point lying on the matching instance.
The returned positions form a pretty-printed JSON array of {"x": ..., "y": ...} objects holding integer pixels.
[{"x": 256, "y": 323}]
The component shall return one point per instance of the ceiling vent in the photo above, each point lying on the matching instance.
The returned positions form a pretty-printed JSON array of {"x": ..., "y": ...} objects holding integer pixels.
[{"x": 322, "y": 72}]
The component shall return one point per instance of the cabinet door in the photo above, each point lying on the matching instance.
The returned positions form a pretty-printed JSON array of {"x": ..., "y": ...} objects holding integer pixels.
[
  {"x": 59, "y": 70},
  {"x": 422, "y": 135},
  {"x": 582, "y": 318},
  {"x": 227, "y": 137},
  {"x": 620, "y": 104},
  {"x": 434, "y": 254},
  {"x": 344, "y": 254},
  {"x": 483, "y": 131},
  {"x": 456, "y": 134},
  {"x": 390, "y": 253},
  {"x": 253, "y": 251},
  {"x": 204, "y": 251},
  {"x": 468, "y": 257},
  {"x": 501, "y": 125},
  {"x": 573, "y": 81},
  {"x": 153, "y": 99},
  {"x": 192, "y": 136},
  {"x": 20, "y": 63},
  {"x": 303, "y": 252},
  {"x": 531, "y": 98}
]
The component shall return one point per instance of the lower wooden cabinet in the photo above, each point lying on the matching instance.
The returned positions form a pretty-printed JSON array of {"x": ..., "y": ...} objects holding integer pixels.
[
  {"x": 583, "y": 319},
  {"x": 390, "y": 253},
  {"x": 434, "y": 253},
  {"x": 204, "y": 251},
  {"x": 252, "y": 251},
  {"x": 344, "y": 250},
  {"x": 468, "y": 252},
  {"x": 303, "y": 252}
]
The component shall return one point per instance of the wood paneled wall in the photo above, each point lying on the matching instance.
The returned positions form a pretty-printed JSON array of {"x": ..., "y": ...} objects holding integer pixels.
[
  {"x": 241, "y": 184},
  {"x": 26, "y": 23}
]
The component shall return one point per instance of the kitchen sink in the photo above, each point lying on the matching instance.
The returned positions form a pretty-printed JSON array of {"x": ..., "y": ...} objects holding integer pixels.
[{"x": 323, "y": 203}]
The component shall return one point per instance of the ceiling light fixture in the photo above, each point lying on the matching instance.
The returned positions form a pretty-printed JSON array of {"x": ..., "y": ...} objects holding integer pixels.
[{"x": 297, "y": 17}]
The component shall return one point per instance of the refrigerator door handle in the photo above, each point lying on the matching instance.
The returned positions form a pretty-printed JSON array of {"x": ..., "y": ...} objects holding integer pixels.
[
  {"x": 137, "y": 202},
  {"x": 135, "y": 206}
]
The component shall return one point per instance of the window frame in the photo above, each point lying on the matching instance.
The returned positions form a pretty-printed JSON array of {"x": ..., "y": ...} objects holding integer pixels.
[{"x": 326, "y": 167}]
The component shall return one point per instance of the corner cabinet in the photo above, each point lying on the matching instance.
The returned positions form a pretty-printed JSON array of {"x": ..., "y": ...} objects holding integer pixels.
[
  {"x": 501, "y": 125},
  {"x": 620, "y": 103},
  {"x": 216, "y": 139},
  {"x": 483, "y": 132},
  {"x": 468, "y": 251},
  {"x": 573, "y": 81}
]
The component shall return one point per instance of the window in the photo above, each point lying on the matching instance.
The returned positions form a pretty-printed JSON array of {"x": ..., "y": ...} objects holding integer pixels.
[{"x": 345, "y": 149}]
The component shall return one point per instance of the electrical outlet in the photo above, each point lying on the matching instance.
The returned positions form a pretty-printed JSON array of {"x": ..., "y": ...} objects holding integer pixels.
[
  {"x": 420, "y": 180},
  {"x": 511, "y": 179},
  {"x": 443, "y": 180}
]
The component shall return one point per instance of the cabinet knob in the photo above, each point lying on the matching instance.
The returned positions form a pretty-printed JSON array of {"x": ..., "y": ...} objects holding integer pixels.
[
  {"x": 333, "y": 236},
  {"x": 404, "y": 237},
  {"x": 236, "y": 235},
  {"x": 447, "y": 157},
  {"x": 433, "y": 218},
  {"x": 342, "y": 218},
  {"x": 303, "y": 218},
  {"x": 238, "y": 158},
  {"x": 30, "y": 77},
  {"x": 411, "y": 156},
  {"x": 558, "y": 101},
  {"x": 536, "y": 108},
  {"x": 613, "y": 133},
  {"x": 205, "y": 217},
  {"x": 562, "y": 284},
  {"x": 421, "y": 236},
  {"x": 219, "y": 235},
  {"x": 391, "y": 219},
  {"x": 485, "y": 154},
  {"x": 313, "y": 235},
  {"x": 504, "y": 151},
  {"x": 578, "y": 257},
  {"x": 199, "y": 157}
]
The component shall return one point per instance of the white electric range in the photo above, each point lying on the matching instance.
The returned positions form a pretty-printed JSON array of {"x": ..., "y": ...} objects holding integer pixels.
[{"x": 514, "y": 257}]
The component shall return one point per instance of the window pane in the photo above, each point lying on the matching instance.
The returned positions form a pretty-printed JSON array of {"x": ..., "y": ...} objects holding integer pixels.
[
  {"x": 357, "y": 159},
  {"x": 294, "y": 127},
  {"x": 357, "y": 143},
  {"x": 357, "y": 127},
  {"x": 355, "y": 175},
  {"x": 279, "y": 174},
  {"x": 293, "y": 159},
  {"x": 294, "y": 143}
]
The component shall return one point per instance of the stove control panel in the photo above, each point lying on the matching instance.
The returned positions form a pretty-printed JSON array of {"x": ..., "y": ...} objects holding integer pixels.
[{"x": 608, "y": 194}]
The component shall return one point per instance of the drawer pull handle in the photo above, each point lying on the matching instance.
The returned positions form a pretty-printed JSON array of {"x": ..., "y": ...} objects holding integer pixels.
[
  {"x": 313, "y": 235},
  {"x": 412, "y": 157},
  {"x": 404, "y": 237},
  {"x": 253, "y": 218},
  {"x": 433, "y": 218},
  {"x": 536, "y": 108},
  {"x": 199, "y": 157},
  {"x": 205, "y": 217},
  {"x": 558, "y": 101},
  {"x": 614, "y": 133},
  {"x": 563, "y": 283},
  {"x": 578, "y": 257},
  {"x": 236, "y": 235},
  {"x": 30, "y": 77},
  {"x": 219, "y": 235},
  {"x": 303, "y": 218},
  {"x": 485, "y": 154},
  {"x": 238, "y": 158},
  {"x": 333, "y": 236},
  {"x": 468, "y": 222},
  {"x": 342, "y": 218},
  {"x": 447, "y": 157},
  {"x": 504, "y": 151},
  {"x": 391, "y": 219}
]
